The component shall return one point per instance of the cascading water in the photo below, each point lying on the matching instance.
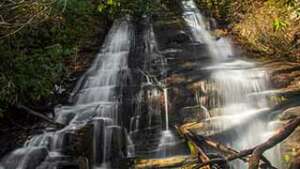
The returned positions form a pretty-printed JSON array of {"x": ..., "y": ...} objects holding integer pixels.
[
  {"x": 96, "y": 100},
  {"x": 166, "y": 108},
  {"x": 150, "y": 130},
  {"x": 235, "y": 84},
  {"x": 218, "y": 49},
  {"x": 167, "y": 137}
]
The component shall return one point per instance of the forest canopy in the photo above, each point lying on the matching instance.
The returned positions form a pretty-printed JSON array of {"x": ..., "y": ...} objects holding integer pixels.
[{"x": 41, "y": 39}]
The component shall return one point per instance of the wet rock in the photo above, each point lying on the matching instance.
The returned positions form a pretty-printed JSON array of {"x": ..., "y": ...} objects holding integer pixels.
[
  {"x": 81, "y": 145},
  {"x": 118, "y": 146},
  {"x": 192, "y": 114},
  {"x": 290, "y": 113},
  {"x": 181, "y": 37},
  {"x": 295, "y": 164},
  {"x": 176, "y": 37},
  {"x": 25, "y": 158},
  {"x": 291, "y": 146},
  {"x": 65, "y": 118},
  {"x": 213, "y": 24},
  {"x": 63, "y": 162},
  {"x": 283, "y": 74}
]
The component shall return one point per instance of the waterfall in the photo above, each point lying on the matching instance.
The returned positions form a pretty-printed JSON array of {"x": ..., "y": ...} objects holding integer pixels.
[
  {"x": 96, "y": 100},
  {"x": 149, "y": 125},
  {"x": 236, "y": 104},
  {"x": 218, "y": 49},
  {"x": 166, "y": 108}
]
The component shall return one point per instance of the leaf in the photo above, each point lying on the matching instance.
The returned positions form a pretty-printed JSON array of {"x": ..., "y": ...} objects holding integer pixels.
[
  {"x": 287, "y": 158},
  {"x": 279, "y": 24},
  {"x": 101, "y": 7},
  {"x": 113, "y": 3},
  {"x": 192, "y": 148}
]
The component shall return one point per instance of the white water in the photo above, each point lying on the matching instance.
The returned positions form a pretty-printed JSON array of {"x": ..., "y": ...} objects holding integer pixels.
[
  {"x": 167, "y": 137},
  {"x": 234, "y": 81},
  {"x": 218, "y": 49},
  {"x": 96, "y": 98},
  {"x": 166, "y": 108},
  {"x": 101, "y": 84}
]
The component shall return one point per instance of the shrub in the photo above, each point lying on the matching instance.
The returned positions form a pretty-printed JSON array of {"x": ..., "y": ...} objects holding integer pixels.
[{"x": 37, "y": 37}]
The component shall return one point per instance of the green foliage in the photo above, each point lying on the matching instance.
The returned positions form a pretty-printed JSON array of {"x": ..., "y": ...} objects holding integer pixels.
[
  {"x": 279, "y": 25},
  {"x": 33, "y": 58},
  {"x": 293, "y": 4},
  {"x": 290, "y": 2},
  {"x": 136, "y": 8},
  {"x": 226, "y": 11},
  {"x": 38, "y": 38}
]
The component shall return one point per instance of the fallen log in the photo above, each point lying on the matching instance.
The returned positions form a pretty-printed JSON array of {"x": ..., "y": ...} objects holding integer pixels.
[
  {"x": 201, "y": 155},
  {"x": 257, "y": 151},
  {"x": 277, "y": 138},
  {"x": 220, "y": 147},
  {"x": 161, "y": 163},
  {"x": 240, "y": 155},
  {"x": 231, "y": 153},
  {"x": 228, "y": 150},
  {"x": 39, "y": 115},
  {"x": 198, "y": 152}
]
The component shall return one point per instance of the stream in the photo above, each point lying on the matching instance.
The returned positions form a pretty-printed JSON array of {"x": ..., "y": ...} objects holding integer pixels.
[
  {"x": 238, "y": 85},
  {"x": 125, "y": 107}
]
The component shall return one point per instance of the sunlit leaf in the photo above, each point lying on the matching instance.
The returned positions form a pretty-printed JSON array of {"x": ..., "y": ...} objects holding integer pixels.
[
  {"x": 279, "y": 24},
  {"x": 287, "y": 158},
  {"x": 101, "y": 7}
]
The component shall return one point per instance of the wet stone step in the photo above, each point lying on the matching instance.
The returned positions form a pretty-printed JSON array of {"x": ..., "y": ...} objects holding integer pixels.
[
  {"x": 163, "y": 151},
  {"x": 138, "y": 136},
  {"x": 145, "y": 141},
  {"x": 63, "y": 162}
]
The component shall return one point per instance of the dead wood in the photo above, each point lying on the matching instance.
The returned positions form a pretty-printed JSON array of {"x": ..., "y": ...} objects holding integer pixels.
[
  {"x": 257, "y": 151},
  {"x": 40, "y": 115},
  {"x": 277, "y": 138}
]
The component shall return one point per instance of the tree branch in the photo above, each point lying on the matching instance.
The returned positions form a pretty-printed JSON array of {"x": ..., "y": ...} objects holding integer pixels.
[
  {"x": 39, "y": 115},
  {"x": 254, "y": 162},
  {"x": 280, "y": 136}
]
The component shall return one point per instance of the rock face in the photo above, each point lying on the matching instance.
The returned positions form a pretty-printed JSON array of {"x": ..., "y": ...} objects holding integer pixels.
[
  {"x": 291, "y": 146},
  {"x": 284, "y": 75},
  {"x": 290, "y": 113}
]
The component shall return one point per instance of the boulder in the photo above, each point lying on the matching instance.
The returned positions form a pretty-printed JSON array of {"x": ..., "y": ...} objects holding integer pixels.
[
  {"x": 179, "y": 38},
  {"x": 291, "y": 147}
]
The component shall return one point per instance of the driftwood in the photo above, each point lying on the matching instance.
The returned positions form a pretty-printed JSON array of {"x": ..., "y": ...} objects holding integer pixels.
[
  {"x": 277, "y": 138},
  {"x": 198, "y": 151},
  {"x": 161, "y": 163},
  {"x": 256, "y": 152},
  {"x": 253, "y": 156},
  {"x": 230, "y": 151},
  {"x": 39, "y": 115},
  {"x": 234, "y": 155}
]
